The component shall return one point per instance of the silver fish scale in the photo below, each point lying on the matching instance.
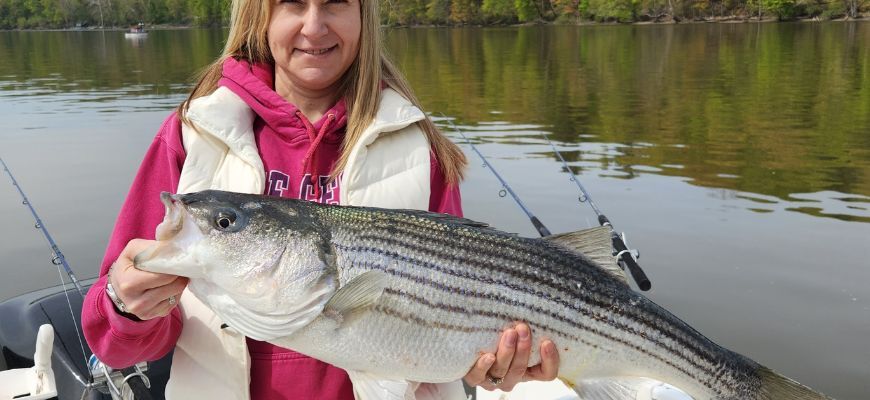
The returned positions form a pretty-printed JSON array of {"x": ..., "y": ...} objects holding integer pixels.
[{"x": 453, "y": 287}]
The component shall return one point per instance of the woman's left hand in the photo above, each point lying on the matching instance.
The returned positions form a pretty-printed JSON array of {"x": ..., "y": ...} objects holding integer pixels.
[{"x": 509, "y": 365}]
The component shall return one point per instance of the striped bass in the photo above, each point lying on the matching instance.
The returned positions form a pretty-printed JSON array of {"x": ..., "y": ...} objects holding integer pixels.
[{"x": 405, "y": 295}]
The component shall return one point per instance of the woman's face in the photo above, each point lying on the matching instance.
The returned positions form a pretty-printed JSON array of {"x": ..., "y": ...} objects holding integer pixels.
[{"x": 313, "y": 42}]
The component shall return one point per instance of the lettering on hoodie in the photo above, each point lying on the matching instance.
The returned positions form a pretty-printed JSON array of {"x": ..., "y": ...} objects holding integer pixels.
[
  {"x": 328, "y": 189},
  {"x": 278, "y": 183}
]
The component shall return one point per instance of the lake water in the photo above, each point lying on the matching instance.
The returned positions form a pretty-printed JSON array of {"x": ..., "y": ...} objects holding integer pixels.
[{"x": 735, "y": 156}]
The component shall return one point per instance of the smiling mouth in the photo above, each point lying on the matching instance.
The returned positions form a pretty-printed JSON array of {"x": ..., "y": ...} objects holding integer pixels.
[{"x": 317, "y": 52}]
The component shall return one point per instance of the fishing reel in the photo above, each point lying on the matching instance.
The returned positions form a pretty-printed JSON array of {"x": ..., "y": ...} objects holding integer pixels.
[
  {"x": 627, "y": 257},
  {"x": 632, "y": 252},
  {"x": 121, "y": 384}
]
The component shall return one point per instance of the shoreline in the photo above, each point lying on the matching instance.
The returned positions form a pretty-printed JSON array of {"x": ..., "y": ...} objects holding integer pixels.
[{"x": 669, "y": 21}]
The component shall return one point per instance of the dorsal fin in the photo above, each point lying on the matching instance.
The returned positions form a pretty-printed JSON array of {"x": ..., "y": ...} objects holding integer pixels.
[{"x": 595, "y": 244}]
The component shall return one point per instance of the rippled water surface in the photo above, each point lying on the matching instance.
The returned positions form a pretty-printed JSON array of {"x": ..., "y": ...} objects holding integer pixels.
[{"x": 735, "y": 156}]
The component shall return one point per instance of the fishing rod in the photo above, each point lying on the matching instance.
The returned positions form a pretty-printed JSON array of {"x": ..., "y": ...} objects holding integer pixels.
[
  {"x": 539, "y": 226},
  {"x": 57, "y": 257},
  {"x": 626, "y": 256},
  {"x": 118, "y": 383}
]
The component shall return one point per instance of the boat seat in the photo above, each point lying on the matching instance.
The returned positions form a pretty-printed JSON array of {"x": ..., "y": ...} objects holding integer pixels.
[{"x": 37, "y": 382}]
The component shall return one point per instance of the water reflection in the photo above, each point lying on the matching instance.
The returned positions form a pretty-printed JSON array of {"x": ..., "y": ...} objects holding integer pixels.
[
  {"x": 774, "y": 110},
  {"x": 609, "y": 160},
  {"x": 771, "y": 109},
  {"x": 46, "y": 63},
  {"x": 779, "y": 112}
]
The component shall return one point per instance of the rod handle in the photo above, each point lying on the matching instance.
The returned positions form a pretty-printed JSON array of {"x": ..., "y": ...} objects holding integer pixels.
[
  {"x": 540, "y": 226},
  {"x": 140, "y": 389},
  {"x": 636, "y": 272}
]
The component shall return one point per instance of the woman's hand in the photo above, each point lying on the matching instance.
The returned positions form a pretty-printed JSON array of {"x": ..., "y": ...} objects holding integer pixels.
[
  {"x": 508, "y": 366},
  {"x": 146, "y": 295}
]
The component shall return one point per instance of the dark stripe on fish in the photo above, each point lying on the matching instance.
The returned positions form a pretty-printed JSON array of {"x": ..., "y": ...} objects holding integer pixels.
[
  {"x": 491, "y": 314},
  {"x": 409, "y": 317},
  {"x": 550, "y": 262},
  {"x": 567, "y": 291},
  {"x": 602, "y": 317}
]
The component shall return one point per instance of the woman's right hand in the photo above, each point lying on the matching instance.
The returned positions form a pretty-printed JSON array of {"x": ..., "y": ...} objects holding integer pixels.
[{"x": 146, "y": 295}]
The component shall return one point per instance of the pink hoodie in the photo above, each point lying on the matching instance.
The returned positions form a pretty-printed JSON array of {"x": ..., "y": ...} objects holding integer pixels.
[{"x": 298, "y": 156}]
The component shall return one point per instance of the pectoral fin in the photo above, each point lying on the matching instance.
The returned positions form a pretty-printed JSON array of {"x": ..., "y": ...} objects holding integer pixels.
[{"x": 357, "y": 295}]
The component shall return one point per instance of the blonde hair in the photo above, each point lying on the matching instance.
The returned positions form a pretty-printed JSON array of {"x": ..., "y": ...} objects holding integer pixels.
[{"x": 361, "y": 84}]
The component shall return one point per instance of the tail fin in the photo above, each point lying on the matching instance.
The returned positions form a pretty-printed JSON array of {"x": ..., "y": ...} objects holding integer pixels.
[{"x": 775, "y": 387}]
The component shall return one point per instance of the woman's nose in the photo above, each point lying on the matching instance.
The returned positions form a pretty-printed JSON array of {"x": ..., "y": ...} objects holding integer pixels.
[{"x": 314, "y": 21}]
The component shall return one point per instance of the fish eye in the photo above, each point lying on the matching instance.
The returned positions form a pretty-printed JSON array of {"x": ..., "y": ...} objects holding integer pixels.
[{"x": 225, "y": 219}]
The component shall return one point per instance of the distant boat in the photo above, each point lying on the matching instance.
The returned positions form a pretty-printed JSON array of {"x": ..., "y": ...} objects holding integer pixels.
[{"x": 137, "y": 31}]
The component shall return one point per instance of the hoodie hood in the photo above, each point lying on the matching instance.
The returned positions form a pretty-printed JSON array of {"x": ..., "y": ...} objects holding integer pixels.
[
  {"x": 254, "y": 84},
  {"x": 226, "y": 154}
]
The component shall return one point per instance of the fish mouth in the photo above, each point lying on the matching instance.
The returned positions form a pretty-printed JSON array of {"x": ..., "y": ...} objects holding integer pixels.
[
  {"x": 177, "y": 235},
  {"x": 173, "y": 220}
]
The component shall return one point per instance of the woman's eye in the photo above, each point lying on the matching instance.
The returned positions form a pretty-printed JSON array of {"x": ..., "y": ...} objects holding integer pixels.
[{"x": 225, "y": 220}]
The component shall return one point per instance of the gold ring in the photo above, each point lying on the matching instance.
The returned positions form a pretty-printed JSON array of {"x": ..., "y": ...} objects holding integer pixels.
[{"x": 493, "y": 380}]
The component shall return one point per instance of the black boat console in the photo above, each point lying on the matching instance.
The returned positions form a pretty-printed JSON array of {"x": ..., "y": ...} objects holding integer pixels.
[{"x": 20, "y": 319}]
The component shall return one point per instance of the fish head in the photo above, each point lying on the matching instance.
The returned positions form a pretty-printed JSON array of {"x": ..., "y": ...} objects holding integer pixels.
[
  {"x": 201, "y": 236},
  {"x": 264, "y": 255}
]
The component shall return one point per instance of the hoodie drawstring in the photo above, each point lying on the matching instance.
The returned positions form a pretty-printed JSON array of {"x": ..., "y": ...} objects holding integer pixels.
[{"x": 309, "y": 166}]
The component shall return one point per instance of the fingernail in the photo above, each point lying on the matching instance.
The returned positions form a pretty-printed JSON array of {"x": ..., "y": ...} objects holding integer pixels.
[
  {"x": 549, "y": 347},
  {"x": 523, "y": 333},
  {"x": 511, "y": 339}
]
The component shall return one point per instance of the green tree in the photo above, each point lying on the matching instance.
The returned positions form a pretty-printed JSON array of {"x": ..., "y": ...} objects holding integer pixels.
[
  {"x": 783, "y": 9},
  {"x": 527, "y": 10},
  {"x": 566, "y": 9},
  {"x": 438, "y": 11},
  {"x": 405, "y": 12},
  {"x": 498, "y": 10},
  {"x": 852, "y": 7},
  {"x": 463, "y": 11},
  {"x": 210, "y": 12},
  {"x": 613, "y": 10}
]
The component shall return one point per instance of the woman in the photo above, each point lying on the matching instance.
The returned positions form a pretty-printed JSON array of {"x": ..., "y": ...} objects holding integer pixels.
[{"x": 301, "y": 104}]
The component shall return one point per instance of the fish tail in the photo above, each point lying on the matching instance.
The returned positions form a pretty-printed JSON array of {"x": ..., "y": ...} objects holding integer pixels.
[{"x": 775, "y": 387}]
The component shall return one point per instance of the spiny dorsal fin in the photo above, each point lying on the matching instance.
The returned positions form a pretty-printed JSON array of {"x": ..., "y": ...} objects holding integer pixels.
[
  {"x": 595, "y": 244},
  {"x": 359, "y": 294}
]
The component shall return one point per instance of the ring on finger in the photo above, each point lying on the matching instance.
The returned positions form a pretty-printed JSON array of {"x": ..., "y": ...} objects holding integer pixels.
[
  {"x": 172, "y": 300},
  {"x": 493, "y": 380}
]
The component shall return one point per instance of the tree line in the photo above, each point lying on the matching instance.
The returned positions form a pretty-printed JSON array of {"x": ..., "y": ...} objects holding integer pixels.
[{"x": 36, "y": 14}]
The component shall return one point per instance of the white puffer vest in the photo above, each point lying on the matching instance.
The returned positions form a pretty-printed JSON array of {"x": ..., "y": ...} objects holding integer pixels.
[{"x": 388, "y": 167}]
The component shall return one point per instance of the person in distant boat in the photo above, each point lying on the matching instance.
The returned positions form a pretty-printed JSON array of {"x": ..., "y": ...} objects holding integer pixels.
[{"x": 303, "y": 104}]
